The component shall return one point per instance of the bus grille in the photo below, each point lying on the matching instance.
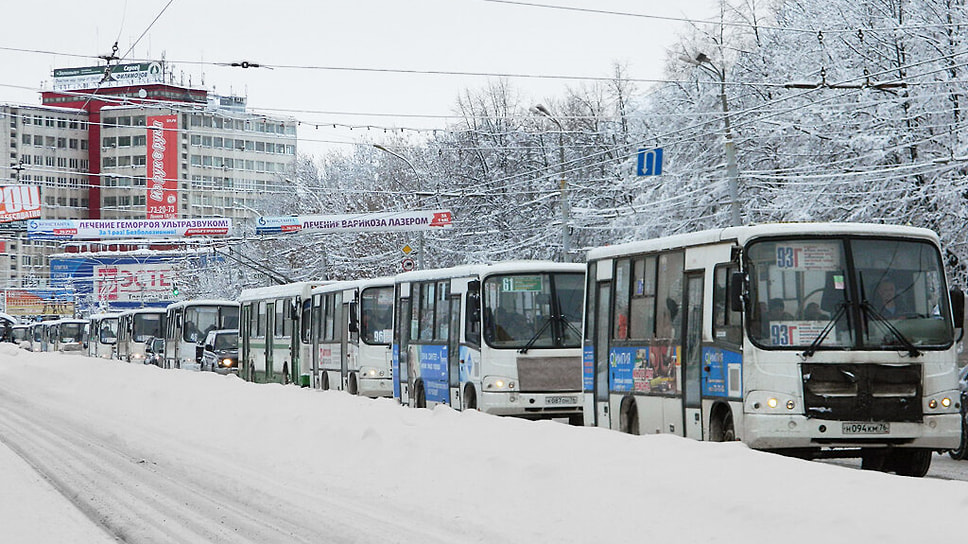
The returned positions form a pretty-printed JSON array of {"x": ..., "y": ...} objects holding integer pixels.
[
  {"x": 549, "y": 374},
  {"x": 862, "y": 392}
]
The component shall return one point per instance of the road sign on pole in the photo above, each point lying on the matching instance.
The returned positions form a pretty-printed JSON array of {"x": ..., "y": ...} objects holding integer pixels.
[
  {"x": 650, "y": 162},
  {"x": 407, "y": 264}
]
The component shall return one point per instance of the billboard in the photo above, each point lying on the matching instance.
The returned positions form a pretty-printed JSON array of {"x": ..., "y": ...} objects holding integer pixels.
[
  {"x": 372, "y": 222},
  {"x": 89, "y": 77},
  {"x": 162, "y": 161},
  {"x": 18, "y": 202},
  {"x": 100, "y": 229},
  {"x": 39, "y": 302},
  {"x": 132, "y": 282}
]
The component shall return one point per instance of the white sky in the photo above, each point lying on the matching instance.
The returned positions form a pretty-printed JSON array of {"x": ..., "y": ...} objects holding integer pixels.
[
  {"x": 180, "y": 456},
  {"x": 425, "y": 35}
]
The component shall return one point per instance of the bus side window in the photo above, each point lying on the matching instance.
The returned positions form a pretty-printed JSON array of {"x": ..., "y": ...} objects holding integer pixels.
[
  {"x": 727, "y": 324},
  {"x": 472, "y": 326}
]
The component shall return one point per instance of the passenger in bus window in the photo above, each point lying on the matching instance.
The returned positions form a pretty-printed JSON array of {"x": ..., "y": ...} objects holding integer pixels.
[{"x": 777, "y": 310}]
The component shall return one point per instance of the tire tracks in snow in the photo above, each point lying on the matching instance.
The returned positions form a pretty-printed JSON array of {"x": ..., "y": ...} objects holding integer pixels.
[{"x": 143, "y": 501}]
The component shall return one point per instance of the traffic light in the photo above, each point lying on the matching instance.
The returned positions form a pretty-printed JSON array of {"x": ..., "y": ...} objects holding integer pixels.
[{"x": 174, "y": 289}]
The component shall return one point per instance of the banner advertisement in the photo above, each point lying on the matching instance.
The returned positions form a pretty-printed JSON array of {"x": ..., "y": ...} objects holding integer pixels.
[
  {"x": 133, "y": 282},
  {"x": 162, "y": 162},
  {"x": 372, "y": 222},
  {"x": 18, "y": 202},
  {"x": 89, "y": 77},
  {"x": 100, "y": 229},
  {"x": 39, "y": 302}
]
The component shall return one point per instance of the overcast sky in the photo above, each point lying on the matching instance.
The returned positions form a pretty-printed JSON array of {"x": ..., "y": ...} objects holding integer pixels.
[{"x": 476, "y": 36}]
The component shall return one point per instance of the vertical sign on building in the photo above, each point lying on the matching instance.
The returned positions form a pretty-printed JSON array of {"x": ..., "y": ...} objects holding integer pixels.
[{"x": 162, "y": 200}]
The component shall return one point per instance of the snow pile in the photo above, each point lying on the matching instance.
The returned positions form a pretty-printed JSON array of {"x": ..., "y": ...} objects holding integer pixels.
[{"x": 483, "y": 478}]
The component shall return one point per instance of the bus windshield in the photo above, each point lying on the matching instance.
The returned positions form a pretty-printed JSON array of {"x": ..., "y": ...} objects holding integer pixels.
[
  {"x": 199, "y": 320},
  {"x": 523, "y": 311},
  {"x": 108, "y": 332},
  {"x": 145, "y": 326},
  {"x": 376, "y": 311},
  {"x": 868, "y": 293},
  {"x": 71, "y": 332}
]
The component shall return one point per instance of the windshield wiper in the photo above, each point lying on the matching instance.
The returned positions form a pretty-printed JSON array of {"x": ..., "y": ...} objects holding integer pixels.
[
  {"x": 841, "y": 308},
  {"x": 905, "y": 342},
  {"x": 529, "y": 343}
]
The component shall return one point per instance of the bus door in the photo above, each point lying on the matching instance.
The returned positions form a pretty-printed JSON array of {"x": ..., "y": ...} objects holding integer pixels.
[
  {"x": 602, "y": 320},
  {"x": 344, "y": 317},
  {"x": 402, "y": 327},
  {"x": 453, "y": 351},
  {"x": 245, "y": 330},
  {"x": 692, "y": 355},
  {"x": 270, "y": 333},
  {"x": 292, "y": 319}
]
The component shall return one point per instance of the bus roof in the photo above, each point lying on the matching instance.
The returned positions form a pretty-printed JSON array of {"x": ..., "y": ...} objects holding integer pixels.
[
  {"x": 276, "y": 291},
  {"x": 113, "y": 315},
  {"x": 383, "y": 281},
  {"x": 480, "y": 270},
  {"x": 145, "y": 311},
  {"x": 201, "y": 302},
  {"x": 743, "y": 234}
]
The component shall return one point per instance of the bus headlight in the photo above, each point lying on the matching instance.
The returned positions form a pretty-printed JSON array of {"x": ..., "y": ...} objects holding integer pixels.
[
  {"x": 771, "y": 402},
  {"x": 499, "y": 383},
  {"x": 943, "y": 403},
  {"x": 227, "y": 362},
  {"x": 373, "y": 372}
]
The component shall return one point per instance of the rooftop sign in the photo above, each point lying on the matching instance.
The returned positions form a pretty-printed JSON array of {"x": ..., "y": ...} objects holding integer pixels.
[{"x": 118, "y": 75}]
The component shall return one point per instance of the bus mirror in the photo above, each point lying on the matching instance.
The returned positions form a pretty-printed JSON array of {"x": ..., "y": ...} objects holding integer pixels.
[
  {"x": 958, "y": 307},
  {"x": 294, "y": 309},
  {"x": 737, "y": 290},
  {"x": 354, "y": 324}
]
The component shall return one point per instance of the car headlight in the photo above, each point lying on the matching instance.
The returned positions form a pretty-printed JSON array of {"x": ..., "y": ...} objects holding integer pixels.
[
  {"x": 499, "y": 383},
  {"x": 226, "y": 362}
]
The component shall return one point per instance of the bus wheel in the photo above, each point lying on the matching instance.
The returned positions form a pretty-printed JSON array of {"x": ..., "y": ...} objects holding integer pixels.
[
  {"x": 959, "y": 453},
  {"x": 629, "y": 420},
  {"x": 909, "y": 462},
  {"x": 721, "y": 427},
  {"x": 420, "y": 398},
  {"x": 469, "y": 400},
  {"x": 324, "y": 382},
  {"x": 352, "y": 386}
]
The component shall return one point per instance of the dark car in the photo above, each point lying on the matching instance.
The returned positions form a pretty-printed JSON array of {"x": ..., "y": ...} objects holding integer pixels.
[
  {"x": 220, "y": 353},
  {"x": 154, "y": 351}
]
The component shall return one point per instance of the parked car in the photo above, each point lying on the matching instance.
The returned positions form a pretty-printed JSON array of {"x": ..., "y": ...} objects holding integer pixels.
[
  {"x": 155, "y": 351},
  {"x": 220, "y": 352}
]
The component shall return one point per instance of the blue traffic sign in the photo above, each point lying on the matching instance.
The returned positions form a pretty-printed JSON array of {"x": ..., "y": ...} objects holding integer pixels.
[{"x": 650, "y": 162}]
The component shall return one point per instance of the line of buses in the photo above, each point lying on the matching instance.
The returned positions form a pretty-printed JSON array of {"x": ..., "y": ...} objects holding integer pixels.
[{"x": 813, "y": 340}]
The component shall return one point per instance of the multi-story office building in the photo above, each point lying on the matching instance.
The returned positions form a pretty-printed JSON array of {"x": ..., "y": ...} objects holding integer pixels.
[{"x": 89, "y": 147}]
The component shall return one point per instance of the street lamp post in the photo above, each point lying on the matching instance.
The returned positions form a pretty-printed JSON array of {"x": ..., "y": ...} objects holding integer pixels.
[
  {"x": 420, "y": 234},
  {"x": 732, "y": 172},
  {"x": 562, "y": 184}
]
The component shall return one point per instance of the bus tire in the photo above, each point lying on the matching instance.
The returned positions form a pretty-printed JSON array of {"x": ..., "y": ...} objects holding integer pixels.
[
  {"x": 914, "y": 462},
  {"x": 721, "y": 425},
  {"x": 469, "y": 398},
  {"x": 352, "y": 385},
  {"x": 629, "y": 418},
  {"x": 419, "y": 397},
  {"x": 959, "y": 453}
]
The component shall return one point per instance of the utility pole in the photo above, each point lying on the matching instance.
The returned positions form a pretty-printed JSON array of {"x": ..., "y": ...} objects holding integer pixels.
[{"x": 562, "y": 184}]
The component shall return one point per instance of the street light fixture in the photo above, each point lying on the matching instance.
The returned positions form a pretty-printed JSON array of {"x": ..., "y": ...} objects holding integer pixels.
[
  {"x": 420, "y": 234},
  {"x": 539, "y": 109},
  {"x": 732, "y": 173}
]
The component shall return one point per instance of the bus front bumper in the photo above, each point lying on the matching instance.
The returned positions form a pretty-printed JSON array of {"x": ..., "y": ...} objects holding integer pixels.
[
  {"x": 768, "y": 432},
  {"x": 532, "y": 405}
]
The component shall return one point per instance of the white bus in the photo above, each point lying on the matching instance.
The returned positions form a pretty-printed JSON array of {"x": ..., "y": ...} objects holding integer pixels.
[
  {"x": 135, "y": 327},
  {"x": 270, "y": 346},
  {"x": 351, "y": 341},
  {"x": 65, "y": 334},
  {"x": 777, "y": 335},
  {"x": 503, "y": 338},
  {"x": 102, "y": 337},
  {"x": 186, "y": 325}
]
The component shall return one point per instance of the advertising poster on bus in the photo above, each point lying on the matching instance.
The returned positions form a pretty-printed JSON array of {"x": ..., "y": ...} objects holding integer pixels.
[{"x": 162, "y": 162}]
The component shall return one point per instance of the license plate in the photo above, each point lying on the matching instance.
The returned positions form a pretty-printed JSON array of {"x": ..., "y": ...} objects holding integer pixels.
[
  {"x": 561, "y": 400},
  {"x": 866, "y": 428}
]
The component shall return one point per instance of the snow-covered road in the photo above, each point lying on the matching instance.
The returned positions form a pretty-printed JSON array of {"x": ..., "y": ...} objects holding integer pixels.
[{"x": 147, "y": 455}]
